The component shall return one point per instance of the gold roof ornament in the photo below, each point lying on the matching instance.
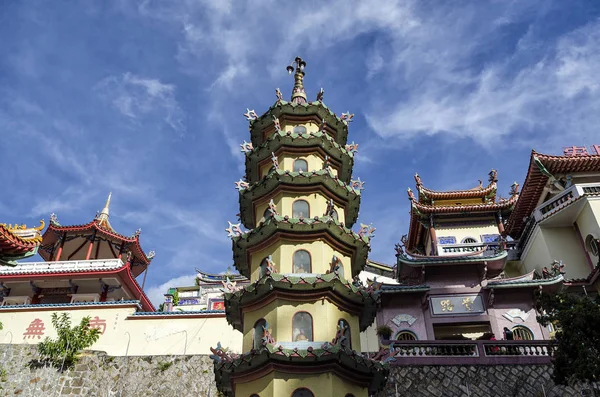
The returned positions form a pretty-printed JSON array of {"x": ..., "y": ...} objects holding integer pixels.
[
  {"x": 298, "y": 93},
  {"x": 102, "y": 218}
]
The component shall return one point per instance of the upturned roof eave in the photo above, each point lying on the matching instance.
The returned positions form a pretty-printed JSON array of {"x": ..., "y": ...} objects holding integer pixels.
[
  {"x": 279, "y": 179},
  {"x": 273, "y": 225},
  {"x": 283, "y": 108},
  {"x": 441, "y": 260}
]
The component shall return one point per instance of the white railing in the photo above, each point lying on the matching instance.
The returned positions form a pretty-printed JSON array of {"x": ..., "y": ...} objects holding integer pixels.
[
  {"x": 564, "y": 199},
  {"x": 62, "y": 266},
  {"x": 466, "y": 248}
]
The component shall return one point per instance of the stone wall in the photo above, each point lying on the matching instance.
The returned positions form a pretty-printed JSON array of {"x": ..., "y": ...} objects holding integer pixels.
[
  {"x": 478, "y": 381},
  {"x": 100, "y": 375},
  {"x": 103, "y": 376}
]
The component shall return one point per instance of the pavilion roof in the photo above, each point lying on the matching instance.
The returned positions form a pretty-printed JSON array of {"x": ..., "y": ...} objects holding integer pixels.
[
  {"x": 18, "y": 241},
  {"x": 486, "y": 193},
  {"x": 543, "y": 167}
]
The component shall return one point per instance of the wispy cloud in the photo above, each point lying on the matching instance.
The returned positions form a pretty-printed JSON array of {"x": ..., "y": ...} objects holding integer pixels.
[{"x": 141, "y": 99}]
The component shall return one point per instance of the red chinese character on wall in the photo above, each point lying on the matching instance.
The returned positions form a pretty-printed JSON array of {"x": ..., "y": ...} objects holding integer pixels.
[
  {"x": 575, "y": 151},
  {"x": 596, "y": 149},
  {"x": 98, "y": 323},
  {"x": 36, "y": 328}
]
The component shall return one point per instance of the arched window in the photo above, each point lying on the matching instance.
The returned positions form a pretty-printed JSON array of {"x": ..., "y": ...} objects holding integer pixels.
[
  {"x": 591, "y": 244},
  {"x": 258, "y": 333},
  {"x": 302, "y": 262},
  {"x": 406, "y": 335},
  {"x": 300, "y": 165},
  {"x": 300, "y": 209},
  {"x": 299, "y": 129},
  {"x": 348, "y": 341},
  {"x": 302, "y": 392},
  {"x": 302, "y": 327},
  {"x": 469, "y": 240},
  {"x": 522, "y": 333}
]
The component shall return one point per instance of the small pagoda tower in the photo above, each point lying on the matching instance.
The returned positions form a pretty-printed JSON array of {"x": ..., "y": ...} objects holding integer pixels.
[{"x": 303, "y": 311}]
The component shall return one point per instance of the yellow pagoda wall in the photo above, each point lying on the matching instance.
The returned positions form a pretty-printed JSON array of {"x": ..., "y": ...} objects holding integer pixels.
[
  {"x": 283, "y": 384},
  {"x": 282, "y": 254},
  {"x": 286, "y": 163},
  {"x": 317, "y": 203},
  {"x": 279, "y": 315}
]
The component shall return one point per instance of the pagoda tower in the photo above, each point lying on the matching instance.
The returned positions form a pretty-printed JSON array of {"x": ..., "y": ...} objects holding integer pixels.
[{"x": 303, "y": 311}]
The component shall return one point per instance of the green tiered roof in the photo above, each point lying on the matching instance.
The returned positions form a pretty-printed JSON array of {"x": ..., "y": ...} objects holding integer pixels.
[
  {"x": 291, "y": 228},
  {"x": 317, "y": 139},
  {"x": 277, "y": 177},
  {"x": 290, "y": 112},
  {"x": 328, "y": 358},
  {"x": 354, "y": 299}
]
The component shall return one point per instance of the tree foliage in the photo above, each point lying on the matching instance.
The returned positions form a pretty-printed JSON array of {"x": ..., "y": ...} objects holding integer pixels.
[
  {"x": 63, "y": 352},
  {"x": 577, "y": 340}
]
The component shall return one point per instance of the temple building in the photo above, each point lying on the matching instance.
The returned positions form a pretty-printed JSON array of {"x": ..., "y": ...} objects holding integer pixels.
[
  {"x": 18, "y": 242},
  {"x": 451, "y": 279},
  {"x": 82, "y": 263},
  {"x": 557, "y": 218},
  {"x": 302, "y": 313}
]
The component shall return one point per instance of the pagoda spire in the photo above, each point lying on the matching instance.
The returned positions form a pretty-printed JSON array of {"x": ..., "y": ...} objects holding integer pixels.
[
  {"x": 298, "y": 93},
  {"x": 102, "y": 218}
]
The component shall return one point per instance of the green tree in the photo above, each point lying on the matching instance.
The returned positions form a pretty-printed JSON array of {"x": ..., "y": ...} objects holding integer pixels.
[
  {"x": 64, "y": 351},
  {"x": 577, "y": 340}
]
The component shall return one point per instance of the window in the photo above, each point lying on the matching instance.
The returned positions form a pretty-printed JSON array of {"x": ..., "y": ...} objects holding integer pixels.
[
  {"x": 522, "y": 333},
  {"x": 299, "y": 129},
  {"x": 258, "y": 333},
  {"x": 302, "y": 327},
  {"x": 591, "y": 245},
  {"x": 302, "y": 392},
  {"x": 348, "y": 342},
  {"x": 302, "y": 262},
  {"x": 300, "y": 209},
  {"x": 300, "y": 165},
  {"x": 406, "y": 335},
  {"x": 469, "y": 240}
]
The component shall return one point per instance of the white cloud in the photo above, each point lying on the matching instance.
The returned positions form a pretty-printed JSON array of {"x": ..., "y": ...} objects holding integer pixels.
[
  {"x": 156, "y": 292},
  {"x": 141, "y": 99}
]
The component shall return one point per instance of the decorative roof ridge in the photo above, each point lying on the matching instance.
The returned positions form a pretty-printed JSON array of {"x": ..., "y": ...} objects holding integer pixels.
[
  {"x": 365, "y": 233},
  {"x": 534, "y": 282},
  {"x": 563, "y": 157},
  {"x": 221, "y": 277},
  {"x": 53, "y": 268},
  {"x": 310, "y": 279},
  {"x": 281, "y": 103},
  {"x": 38, "y": 305},
  {"x": 453, "y": 259},
  {"x": 178, "y": 313},
  {"x": 22, "y": 233},
  {"x": 135, "y": 238},
  {"x": 527, "y": 276},
  {"x": 497, "y": 205},
  {"x": 308, "y": 174},
  {"x": 347, "y": 149},
  {"x": 477, "y": 192}
]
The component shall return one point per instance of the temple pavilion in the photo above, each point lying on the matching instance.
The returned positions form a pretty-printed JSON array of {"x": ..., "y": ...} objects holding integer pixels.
[
  {"x": 451, "y": 270},
  {"x": 82, "y": 263},
  {"x": 302, "y": 313}
]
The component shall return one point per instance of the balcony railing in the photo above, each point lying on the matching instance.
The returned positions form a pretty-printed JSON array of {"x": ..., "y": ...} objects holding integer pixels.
[
  {"x": 467, "y": 248},
  {"x": 471, "y": 352},
  {"x": 62, "y": 266},
  {"x": 564, "y": 199}
]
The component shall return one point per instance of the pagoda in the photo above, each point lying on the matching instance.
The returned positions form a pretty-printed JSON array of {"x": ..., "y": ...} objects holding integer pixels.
[
  {"x": 303, "y": 311},
  {"x": 83, "y": 264},
  {"x": 453, "y": 282}
]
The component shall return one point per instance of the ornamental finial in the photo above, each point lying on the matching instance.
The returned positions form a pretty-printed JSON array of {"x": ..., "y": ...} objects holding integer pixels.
[{"x": 298, "y": 93}]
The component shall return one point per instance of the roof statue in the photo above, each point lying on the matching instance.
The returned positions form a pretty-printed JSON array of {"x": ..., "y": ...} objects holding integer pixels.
[
  {"x": 18, "y": 242},
  {"x": 298, "y": 93}
]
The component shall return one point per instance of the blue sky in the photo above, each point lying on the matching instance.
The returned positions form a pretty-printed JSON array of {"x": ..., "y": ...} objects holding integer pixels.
[{"x": 146, "y": 99}]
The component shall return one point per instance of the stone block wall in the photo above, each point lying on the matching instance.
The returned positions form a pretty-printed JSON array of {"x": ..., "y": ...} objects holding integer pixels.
[{"x": 99, "y": 375}]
